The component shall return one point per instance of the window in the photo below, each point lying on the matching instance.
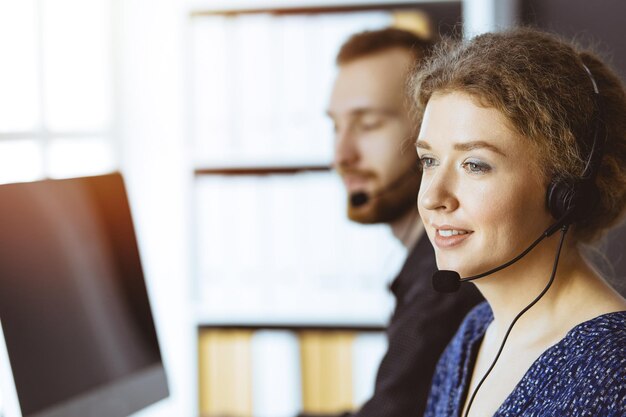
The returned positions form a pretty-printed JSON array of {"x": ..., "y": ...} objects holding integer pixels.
[{"x": 56, "y": 79}]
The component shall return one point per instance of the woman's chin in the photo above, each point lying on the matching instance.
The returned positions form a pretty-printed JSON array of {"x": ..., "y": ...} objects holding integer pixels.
[{"x": 463, "y": 269}]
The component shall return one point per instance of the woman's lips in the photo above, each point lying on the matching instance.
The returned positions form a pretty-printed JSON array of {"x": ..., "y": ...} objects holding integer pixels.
[{"x": 447, "y": 237}]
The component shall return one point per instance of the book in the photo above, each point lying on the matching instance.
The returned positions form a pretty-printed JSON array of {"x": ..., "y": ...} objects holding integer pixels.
[
  {"x": 326, "y": 363},
  {"x": 225, "y": 373}
]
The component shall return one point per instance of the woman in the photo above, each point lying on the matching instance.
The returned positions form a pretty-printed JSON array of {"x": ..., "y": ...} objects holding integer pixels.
[{"x": 505, "y": 117}]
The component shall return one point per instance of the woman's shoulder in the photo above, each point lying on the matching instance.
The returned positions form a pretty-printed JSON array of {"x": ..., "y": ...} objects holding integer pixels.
[
  {"x": 593, "y": 355},
  {"x": 606, "y": 332},
  {"x": 587, "y": 370},
  {"x": 599, "y": 343}
]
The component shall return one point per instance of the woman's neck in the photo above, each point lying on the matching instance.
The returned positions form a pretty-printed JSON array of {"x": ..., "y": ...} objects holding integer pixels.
[{"x": 576, "y": 295}]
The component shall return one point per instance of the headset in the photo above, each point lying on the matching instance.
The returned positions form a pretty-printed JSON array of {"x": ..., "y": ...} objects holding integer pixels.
[
  {"x": 573, "y": 200},
  {"x": 568, "y": 200}
]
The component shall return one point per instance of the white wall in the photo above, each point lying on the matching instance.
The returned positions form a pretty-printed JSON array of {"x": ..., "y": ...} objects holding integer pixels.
[{"x": 152, "y": 147}]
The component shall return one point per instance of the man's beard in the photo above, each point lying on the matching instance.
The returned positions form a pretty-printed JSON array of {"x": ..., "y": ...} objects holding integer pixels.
[{"x": 387, "y": 207}]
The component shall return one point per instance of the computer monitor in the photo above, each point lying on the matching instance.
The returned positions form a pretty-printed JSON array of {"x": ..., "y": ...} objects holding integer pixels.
[{"x": 74, "y": 310}]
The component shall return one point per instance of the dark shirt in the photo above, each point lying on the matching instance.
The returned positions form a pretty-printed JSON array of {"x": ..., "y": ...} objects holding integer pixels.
[
  {"x": 421, "y": 326},
  {"x": 582, "y": 375}
]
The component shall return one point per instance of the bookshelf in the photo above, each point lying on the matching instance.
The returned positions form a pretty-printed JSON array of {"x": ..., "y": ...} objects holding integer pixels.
[
  {"x": 290, "y": 297},
  {"x": 282, "y": 369}
]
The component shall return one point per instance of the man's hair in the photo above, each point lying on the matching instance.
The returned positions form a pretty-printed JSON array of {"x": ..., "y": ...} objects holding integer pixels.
[{"x": 371, "y": 42}]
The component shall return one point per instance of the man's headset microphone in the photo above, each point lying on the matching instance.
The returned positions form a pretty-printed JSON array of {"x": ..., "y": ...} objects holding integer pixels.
[
  {"x": 361, "y": 198},
  {"x": 569, "y": 201}
]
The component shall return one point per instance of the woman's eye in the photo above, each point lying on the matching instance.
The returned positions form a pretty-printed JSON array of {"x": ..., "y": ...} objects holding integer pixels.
[
  {"x": 476, "y": 167},
  {"x": 427, "y": 162}
]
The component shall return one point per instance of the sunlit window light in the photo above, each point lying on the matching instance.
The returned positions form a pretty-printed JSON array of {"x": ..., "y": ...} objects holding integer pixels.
[
  {"x": 20, "y": 160},
  {"x": 19, "y": 109},
  {"x": 80, "y": 157},
  {"x": 76, "y": 64}
]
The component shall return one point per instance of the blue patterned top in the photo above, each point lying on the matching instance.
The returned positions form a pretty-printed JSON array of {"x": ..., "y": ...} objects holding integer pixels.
[{"x": 582, "y": 375}]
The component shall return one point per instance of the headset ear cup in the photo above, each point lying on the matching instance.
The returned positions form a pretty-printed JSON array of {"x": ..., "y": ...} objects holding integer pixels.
[{"x": 560, "y": 197}]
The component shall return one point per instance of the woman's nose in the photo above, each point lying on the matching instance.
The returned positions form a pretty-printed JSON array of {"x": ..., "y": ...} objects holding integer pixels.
[{"x": 437, "y": 191}]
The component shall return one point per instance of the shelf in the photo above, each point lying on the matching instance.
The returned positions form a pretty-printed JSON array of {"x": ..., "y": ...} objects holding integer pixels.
[
  {"x": 299, "y": 326},
  {"x": 226, "y": 7},
  {"x": 261, "y": 170}
]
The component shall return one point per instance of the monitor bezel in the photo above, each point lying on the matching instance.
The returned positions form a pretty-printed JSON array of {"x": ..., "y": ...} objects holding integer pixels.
[{"x": 118, "y": 398}]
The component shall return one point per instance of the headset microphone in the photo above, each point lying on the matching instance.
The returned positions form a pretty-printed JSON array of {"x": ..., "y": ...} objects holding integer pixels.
[
  {"x": 568, "y": 200},
  {"x": 445, "y": 281},
  {"x": 361, "y": 198}
]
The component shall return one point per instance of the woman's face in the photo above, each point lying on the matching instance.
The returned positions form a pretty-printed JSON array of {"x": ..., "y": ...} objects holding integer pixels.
[{"x": 482, "y": 197}]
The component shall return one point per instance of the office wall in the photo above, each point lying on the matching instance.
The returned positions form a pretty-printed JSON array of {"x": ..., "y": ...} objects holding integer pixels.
[
  {"x": 598, "y": 22},
  {"x": 150, "y": 38}
]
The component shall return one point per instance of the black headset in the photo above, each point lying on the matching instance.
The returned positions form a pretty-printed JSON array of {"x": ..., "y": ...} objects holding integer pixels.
[
  {"x": 569, "y": 201},
  {"x": 573, "y": 200}
]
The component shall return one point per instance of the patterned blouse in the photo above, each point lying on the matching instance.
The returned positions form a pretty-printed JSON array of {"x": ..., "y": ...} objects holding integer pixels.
[{"x": 582, "y": 375}]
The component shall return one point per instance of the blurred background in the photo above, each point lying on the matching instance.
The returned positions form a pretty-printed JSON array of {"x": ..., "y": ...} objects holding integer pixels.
[{"x": 267, "y": 301}]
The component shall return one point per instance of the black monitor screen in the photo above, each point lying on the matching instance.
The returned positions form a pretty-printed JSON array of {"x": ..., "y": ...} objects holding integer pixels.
[{"x": 73, "y": 303}]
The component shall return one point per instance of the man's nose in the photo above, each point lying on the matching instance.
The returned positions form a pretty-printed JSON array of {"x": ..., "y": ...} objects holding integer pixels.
[{"x": 346, "y": 148}]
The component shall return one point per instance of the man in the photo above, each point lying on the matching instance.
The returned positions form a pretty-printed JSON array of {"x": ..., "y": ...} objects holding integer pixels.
[{"x": 374, "y": 154}]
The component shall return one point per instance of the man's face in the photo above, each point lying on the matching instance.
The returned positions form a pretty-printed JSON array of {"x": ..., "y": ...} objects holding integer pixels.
[{"x": 374, "y": 135}]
